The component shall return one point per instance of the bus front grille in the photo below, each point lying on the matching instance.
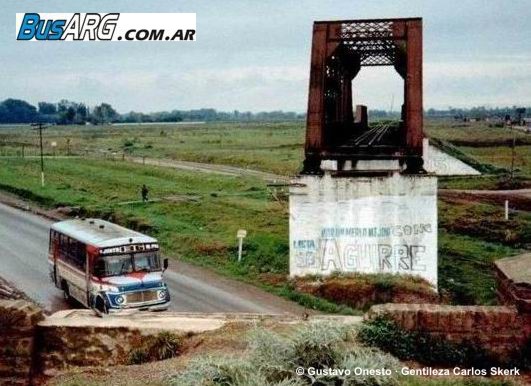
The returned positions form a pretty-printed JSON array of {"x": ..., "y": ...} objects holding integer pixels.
[{"x": 142, "y": 296}]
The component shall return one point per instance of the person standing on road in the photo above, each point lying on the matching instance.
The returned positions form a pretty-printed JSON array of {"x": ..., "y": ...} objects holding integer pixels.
[{"x": 144, "y": 191}]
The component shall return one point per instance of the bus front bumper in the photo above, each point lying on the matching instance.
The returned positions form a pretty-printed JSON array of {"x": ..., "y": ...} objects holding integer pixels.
[{"x": 142, "y": 307}]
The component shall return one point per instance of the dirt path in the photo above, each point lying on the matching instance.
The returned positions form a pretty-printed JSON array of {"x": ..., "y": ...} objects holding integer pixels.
[
  {"x": 519, "y": 199},
  {"x": 210, "y": 168}
]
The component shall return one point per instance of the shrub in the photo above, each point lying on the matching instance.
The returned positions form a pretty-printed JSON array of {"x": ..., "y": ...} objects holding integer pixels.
[
  {"x": 413, "y": 345},
  {"x": 165, "y": 345},
  {"x": 318, "y": 344},
  {"x": 369, "y": 359},
  {"x": 219, "y": 371},
  {"x": 416, "y": 381},
  {"x": 266, "y": 252},
  {"x": 268, "y": 352},
  {"x": 128, "y": 143},
  {"x": 138, "y": 356},
  {"x": 271, "y": 359}
]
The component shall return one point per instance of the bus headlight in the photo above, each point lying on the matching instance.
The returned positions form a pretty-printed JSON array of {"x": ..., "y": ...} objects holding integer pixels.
[
  {"x": 162, "y": 294},
  {"x": 119, "y": 300}
]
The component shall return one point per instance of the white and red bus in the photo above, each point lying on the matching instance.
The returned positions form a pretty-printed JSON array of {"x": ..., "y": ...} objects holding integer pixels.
[{"x": 106, "y": 266}]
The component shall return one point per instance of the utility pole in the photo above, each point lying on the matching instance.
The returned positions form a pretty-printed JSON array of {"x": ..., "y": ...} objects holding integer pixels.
[
  {"x": 513, "y": 152},
  {"x": 40, "y": 127}
]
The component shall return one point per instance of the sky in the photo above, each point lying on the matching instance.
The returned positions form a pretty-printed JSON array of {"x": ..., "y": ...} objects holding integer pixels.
[{"x": 255, "y": 56}]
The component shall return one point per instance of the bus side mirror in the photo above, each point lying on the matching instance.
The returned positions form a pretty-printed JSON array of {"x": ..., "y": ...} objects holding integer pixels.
[{"x": 165, "y": 264}]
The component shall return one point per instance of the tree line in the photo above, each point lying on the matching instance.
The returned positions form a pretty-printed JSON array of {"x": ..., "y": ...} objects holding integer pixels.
[
  {"x": 62, "y": 113},
  {"x": 67, "y": 112}
]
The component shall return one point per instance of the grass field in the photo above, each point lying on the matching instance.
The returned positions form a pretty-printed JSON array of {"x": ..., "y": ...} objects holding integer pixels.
[
  {"x": 273, "y": 147},
  {"x": 501, "y": 156},
  {"x": 196, "y": 217}
]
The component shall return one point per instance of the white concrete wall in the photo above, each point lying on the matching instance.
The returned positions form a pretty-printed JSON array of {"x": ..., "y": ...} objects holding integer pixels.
[{"x": 364, "y": 224}]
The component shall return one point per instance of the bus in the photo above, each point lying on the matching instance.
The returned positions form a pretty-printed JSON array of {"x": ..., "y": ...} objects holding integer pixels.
[{"x": 107, "y": 267}]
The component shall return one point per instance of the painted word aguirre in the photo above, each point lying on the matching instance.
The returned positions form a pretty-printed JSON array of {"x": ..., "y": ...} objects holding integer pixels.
[
  {"x": 363, "y": 201},
  {"x": 369, "y": 225}
]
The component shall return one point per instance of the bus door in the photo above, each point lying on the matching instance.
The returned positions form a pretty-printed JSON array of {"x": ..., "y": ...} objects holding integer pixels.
[
  {"x": 92, "y": 255},
  {"x": 53, "y": 253}
]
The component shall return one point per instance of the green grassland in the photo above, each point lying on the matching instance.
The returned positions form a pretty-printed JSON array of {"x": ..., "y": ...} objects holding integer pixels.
[
  {"x": 272, "y": 147},
  {"x": 474, "y": 133},
  {"x": 501, "y": 156},
  {"x": 196, "y": 215}
]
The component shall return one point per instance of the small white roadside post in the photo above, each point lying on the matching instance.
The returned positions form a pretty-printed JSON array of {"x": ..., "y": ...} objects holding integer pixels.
[
  {"x": 506, "y": 209},
  {"x": 240, "y": 235}
]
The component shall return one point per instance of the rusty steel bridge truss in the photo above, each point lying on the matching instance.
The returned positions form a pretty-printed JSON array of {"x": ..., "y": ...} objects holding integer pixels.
[{"x": 339, "y": 50}]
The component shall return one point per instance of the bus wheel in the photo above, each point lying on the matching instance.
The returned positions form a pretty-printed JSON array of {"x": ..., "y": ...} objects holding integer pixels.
[{"x": 100, "y": 305}]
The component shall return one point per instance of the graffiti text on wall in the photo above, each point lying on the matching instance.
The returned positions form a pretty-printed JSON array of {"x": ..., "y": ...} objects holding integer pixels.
[
  {"x": 386, "y": 231},
  {"x": 328, "y": 254}
]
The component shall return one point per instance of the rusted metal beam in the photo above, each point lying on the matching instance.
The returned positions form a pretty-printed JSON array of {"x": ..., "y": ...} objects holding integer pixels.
[
  {"x": 315, "y": 116},
  {"x": 413, "y": 97},
  {"x": 339, "y": 49}
]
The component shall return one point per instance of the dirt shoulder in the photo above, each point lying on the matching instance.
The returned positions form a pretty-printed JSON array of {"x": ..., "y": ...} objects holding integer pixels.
[
  {"x": 519, "y": 199},
  {"x": 209, "y": 168}
]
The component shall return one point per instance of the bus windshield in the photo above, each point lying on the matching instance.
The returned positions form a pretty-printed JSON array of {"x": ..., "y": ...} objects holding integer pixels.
[{"x": 116, "y": 265}]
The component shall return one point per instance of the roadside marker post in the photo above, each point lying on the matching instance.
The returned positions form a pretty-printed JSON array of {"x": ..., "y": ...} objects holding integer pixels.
[
  {"x": 506, "y": 209},
  {"x": 240, "y": 235}
]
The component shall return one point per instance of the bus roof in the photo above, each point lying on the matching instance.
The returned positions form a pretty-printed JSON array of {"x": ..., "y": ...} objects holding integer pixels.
[{"x": 100, "y": 233}]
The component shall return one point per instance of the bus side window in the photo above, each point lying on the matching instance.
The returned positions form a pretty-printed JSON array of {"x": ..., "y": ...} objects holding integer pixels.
[
  {"x": 76, "y": 254},
  {"x": 81, "y": 255},
  {"x": 63, "y": 243},
  {"x": 52, "y": 240}
]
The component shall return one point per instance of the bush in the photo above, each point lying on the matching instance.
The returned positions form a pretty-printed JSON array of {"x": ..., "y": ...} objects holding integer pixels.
[
  {"x": 415, "y": 381},
  {"x": 165, "y": 345},
  {"x": 219, "y": 371},
  {"x": 138, "y": 356},
  {"x": 318, "y": 345},
  {"x": 271, "y": 359},
  {"x": 266, "y": 253},
  {"x": 412, "y": 345},
  {"x": 128, "y": 143}
]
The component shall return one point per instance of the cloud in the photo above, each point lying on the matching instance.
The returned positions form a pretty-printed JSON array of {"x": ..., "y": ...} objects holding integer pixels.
[
  {"x": 504, "y": 80},
  {"x": 492, "y": 82}
]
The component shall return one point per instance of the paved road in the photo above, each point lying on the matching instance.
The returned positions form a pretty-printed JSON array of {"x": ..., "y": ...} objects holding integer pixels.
[{"x": 23, "y": 262}]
